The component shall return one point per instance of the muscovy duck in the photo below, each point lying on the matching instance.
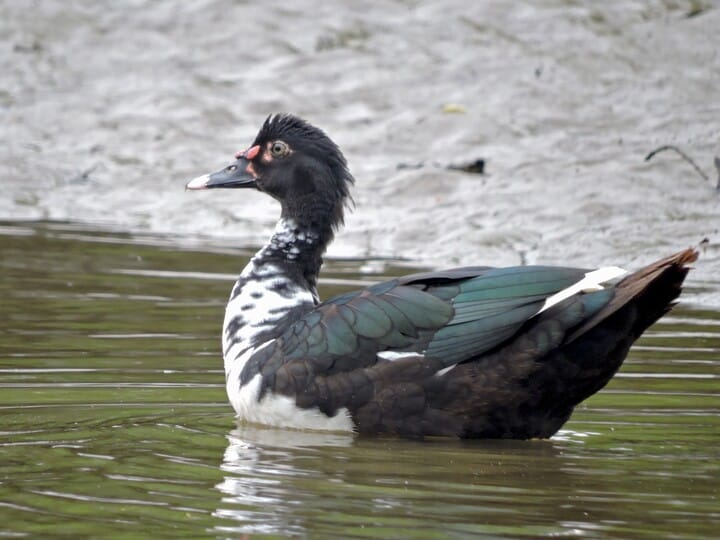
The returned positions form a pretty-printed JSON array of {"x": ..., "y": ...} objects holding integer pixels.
[{"x": 475, "y": 352}]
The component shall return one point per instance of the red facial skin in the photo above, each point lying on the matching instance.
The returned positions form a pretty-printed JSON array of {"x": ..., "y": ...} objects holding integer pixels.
[{"x": 249, "y": 154}]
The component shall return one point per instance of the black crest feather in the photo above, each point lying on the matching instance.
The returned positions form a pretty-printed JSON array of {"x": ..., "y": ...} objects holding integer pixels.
[{"x": 312, "y": 141}]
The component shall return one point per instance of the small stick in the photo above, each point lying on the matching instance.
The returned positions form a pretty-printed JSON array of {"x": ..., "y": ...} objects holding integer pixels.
[{"x": 688, "y": 159}]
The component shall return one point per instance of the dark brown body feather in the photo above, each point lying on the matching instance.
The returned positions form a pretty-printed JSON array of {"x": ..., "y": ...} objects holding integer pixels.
[{"x": 518, "y": 391}]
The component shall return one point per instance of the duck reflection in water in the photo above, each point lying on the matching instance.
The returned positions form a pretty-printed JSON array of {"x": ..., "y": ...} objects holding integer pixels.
[{"x": 301, "y": 483}]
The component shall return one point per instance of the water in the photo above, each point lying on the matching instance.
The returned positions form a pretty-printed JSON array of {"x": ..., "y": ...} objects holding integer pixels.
[
  {"x": 114, "y": 421},
  {"x": 113, "y": 418}
]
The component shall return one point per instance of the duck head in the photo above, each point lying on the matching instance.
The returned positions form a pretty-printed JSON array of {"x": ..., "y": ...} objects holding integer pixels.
[{"x": 295, "y": 163}]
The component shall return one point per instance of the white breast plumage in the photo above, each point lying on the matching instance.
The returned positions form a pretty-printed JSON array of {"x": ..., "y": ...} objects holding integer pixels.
[{"x": 256, "y": 307}]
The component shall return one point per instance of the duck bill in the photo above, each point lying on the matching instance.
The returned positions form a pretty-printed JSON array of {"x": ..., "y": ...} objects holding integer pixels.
[{"x": 235, "y": 175}]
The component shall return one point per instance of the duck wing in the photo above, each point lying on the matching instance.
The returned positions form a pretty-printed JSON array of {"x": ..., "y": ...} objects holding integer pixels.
[{"x": 429, "y": 321}]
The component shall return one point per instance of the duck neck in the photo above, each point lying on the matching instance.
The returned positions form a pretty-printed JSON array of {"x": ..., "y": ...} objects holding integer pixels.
[
  {"x": 277, "y": 286},
  {"x": 296, "y": 250}
]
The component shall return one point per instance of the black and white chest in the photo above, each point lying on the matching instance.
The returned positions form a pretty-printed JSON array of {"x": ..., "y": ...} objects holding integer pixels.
[
  {"x": 264, "y": 294},
  {"x": 269, "y": 295}
]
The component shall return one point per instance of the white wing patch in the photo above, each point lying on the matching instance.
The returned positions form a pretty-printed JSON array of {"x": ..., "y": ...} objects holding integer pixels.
[
  {"x": 591, "y": 282},
  {"x": 443, "y": 371},
  {"x": 398, "y": 355},
  {"x": 402, "y": 355}
]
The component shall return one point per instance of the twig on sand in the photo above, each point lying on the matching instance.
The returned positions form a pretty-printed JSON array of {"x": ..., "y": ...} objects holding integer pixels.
[{"x": 688, "y": 159}]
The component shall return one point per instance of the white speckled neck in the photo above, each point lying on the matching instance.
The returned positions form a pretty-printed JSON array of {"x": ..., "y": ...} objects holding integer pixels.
[
  {"x": 264, "y": 293},
  {"x": 288, "y": 240}
]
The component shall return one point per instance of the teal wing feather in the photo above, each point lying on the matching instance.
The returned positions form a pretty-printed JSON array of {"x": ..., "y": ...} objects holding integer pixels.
[
  {"x": 492, "y": 307},
  {"x": 378, "y": 318},
  {"x": 447, "y": 317}
]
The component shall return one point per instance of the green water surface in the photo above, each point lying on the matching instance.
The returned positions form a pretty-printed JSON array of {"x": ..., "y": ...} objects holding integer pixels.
[{"x": 114, "y": 421}]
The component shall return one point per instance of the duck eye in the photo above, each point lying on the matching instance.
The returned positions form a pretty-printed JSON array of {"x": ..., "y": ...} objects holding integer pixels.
[
  {"x": 279, "y": 149},
  {"x": 231, "y": 168}
]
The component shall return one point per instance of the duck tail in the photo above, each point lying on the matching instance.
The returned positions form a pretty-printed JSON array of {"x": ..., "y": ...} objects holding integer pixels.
[{"x": 651, "y": 289}]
